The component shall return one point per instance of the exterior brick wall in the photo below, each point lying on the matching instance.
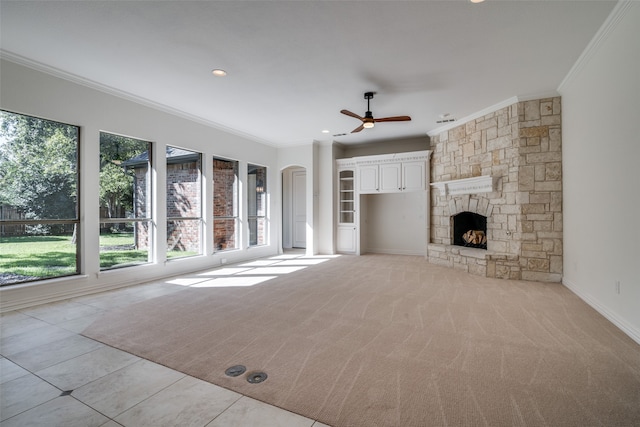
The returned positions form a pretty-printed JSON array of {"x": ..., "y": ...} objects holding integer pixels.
[
  {"x": 183, "y": 189},
  {"x": 521, "y": 146},
  {"x": 184, "y": 200},
  {"x": 225, "y": 195}
]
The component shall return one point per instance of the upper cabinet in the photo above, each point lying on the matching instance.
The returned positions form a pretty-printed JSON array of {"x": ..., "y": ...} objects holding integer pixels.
[
  {"x": 413, "y": 176},
  {"x": 368, "y": 179},
  {"x": 392, "y": 173}
]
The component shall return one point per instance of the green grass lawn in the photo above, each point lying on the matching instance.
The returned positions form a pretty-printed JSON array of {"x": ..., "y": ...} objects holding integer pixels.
[
  {"x": 117, "y": 250},
  {"x": 51, "y": 256},
  {"x": 37, "y": 256}
]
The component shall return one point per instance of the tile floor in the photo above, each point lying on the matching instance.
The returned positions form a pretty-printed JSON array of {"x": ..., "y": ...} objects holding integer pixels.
[{"x": 52, "y": 376}]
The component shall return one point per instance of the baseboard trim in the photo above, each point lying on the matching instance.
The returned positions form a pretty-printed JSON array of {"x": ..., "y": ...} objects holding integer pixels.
[
  {"x": 392, "y": 251},
  {"x": 631, "y": 331}
]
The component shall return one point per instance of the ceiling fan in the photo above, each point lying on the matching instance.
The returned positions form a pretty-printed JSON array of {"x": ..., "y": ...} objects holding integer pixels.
[{"x": 368, "y": 121}]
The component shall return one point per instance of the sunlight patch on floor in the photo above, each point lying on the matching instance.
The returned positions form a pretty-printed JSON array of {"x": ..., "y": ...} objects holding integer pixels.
[
  {"x": 227, "y": 271},
  {"x": 273, "y": 270},
  {"x": 251, "y": 273},
  {"x": 223, "y": 282},
  {"x": 185, "y": 281}
]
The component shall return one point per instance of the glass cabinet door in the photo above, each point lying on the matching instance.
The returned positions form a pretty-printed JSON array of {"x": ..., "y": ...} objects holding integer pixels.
[{"x": 346, "y": 214}]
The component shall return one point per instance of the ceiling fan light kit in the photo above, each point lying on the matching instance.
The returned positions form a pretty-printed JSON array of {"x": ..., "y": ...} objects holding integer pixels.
[{"x": 368, "y": 121}]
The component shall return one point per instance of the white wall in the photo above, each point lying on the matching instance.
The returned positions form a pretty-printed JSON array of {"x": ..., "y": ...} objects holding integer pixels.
[
  {"x": 25, "y": 90},
  {"x": 399, "y": 145},
  {"x": 601, "y": 171},
  {"x": 326, "y": 197},
  {"x": 393, "y": 223}
]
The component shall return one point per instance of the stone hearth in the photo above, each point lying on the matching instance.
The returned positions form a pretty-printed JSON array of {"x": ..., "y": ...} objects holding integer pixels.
[{"x": 519, "y": 148}]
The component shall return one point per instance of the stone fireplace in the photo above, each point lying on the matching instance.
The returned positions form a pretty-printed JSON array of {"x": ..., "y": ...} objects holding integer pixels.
[{"x": 504, "y": 167}]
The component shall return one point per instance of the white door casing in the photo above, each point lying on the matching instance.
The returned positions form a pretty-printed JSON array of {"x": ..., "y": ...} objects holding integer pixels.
[{"x": 299, "y": 207}]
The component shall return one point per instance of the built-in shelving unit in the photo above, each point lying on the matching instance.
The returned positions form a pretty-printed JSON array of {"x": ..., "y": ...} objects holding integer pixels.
[
  {"x": 376, "y": 174},
  {"x": 347, "y": 197},
  {"x": 346, "y": 231}
]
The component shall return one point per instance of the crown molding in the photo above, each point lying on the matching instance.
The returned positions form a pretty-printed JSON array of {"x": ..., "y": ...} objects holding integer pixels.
[
  {"x": 609, "y": 25},
  {"x": 539, "y": 95},
  {"x": 73, "y": 78},
  {"x": 476, "y": 115},
  {"x": 493, "y": 108}
]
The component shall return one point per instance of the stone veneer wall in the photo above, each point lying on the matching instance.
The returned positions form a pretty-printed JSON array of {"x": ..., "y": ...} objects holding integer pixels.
[{"x": 521, "y": 146}]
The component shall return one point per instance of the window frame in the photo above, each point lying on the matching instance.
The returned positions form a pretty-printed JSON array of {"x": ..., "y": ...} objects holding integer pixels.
[
  {"x": 198, "y": 218},
  {"x": 236, "y": 205},
  {"x": 77, "y": 237},
  {"x": 258, "y": 188},
  {"x": 149, "y": 205}
]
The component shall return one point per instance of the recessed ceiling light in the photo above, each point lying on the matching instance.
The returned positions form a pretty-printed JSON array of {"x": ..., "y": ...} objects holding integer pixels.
[
  {"x": 325, "y": 131},
  {"x": 218, "y": 72},
  {"x": 476, "y": 1}
]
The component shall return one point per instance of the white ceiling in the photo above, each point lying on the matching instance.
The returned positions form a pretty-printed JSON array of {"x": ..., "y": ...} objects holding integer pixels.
[{"x": 293, "y": 65}]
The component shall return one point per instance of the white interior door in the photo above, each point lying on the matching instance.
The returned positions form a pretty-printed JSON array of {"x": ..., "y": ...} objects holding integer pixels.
[{"x": 299, "y": 205}]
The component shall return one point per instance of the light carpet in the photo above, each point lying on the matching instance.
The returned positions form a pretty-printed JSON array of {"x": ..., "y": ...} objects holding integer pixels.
[{"x": 389, "y": 340}]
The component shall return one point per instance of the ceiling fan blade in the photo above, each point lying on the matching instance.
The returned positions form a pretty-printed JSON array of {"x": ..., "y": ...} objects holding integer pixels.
[
  {"x": 393, "y": 119},
  {"x": 358, "y": 129},
  {"x": 349, "y": 113}
]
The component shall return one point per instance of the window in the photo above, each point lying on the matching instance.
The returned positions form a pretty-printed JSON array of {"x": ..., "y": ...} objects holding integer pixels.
[
  {"x": 184, "y": 207},
  {"x": 225, "y": 204},
  {"x": 125, "y": 201},
  {"x": 39, "y": 218},
  {"x": 257, "y": 192}
]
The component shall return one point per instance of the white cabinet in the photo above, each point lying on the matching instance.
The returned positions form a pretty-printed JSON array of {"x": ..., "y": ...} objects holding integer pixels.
[
  {"x": 413, "y": 176},
  {"x": 347, "y": 230},
  {"x": 386, "y": 173},
  {"x": 368, "y": 179},
  {"x": 346, "y": 239},
  {"x": 391, "y": 177}
]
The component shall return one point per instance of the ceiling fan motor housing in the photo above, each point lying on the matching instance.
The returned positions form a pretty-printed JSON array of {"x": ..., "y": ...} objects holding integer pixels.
[{"x": 368, "y": 119}]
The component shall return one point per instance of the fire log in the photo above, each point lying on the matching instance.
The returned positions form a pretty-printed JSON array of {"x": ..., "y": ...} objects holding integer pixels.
[{"x": 475, "y": 237}]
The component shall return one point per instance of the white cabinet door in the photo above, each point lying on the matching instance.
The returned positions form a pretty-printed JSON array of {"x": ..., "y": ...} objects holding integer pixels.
[
  {"x": 413, "y": 176},
  {"x": 346, "y": 239},
  {"x": 368, "y": 179},
  {"x": 391, "y": 177}
]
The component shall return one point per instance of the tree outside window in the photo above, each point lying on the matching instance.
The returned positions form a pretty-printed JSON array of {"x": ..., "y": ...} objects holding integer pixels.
[
  {"x": 39, "y": 209},
  {"x": 125, "y": 201}
]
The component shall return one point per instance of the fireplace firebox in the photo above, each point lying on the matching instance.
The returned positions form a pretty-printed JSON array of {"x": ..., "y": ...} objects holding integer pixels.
[{"x": 470, "y": 230}]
